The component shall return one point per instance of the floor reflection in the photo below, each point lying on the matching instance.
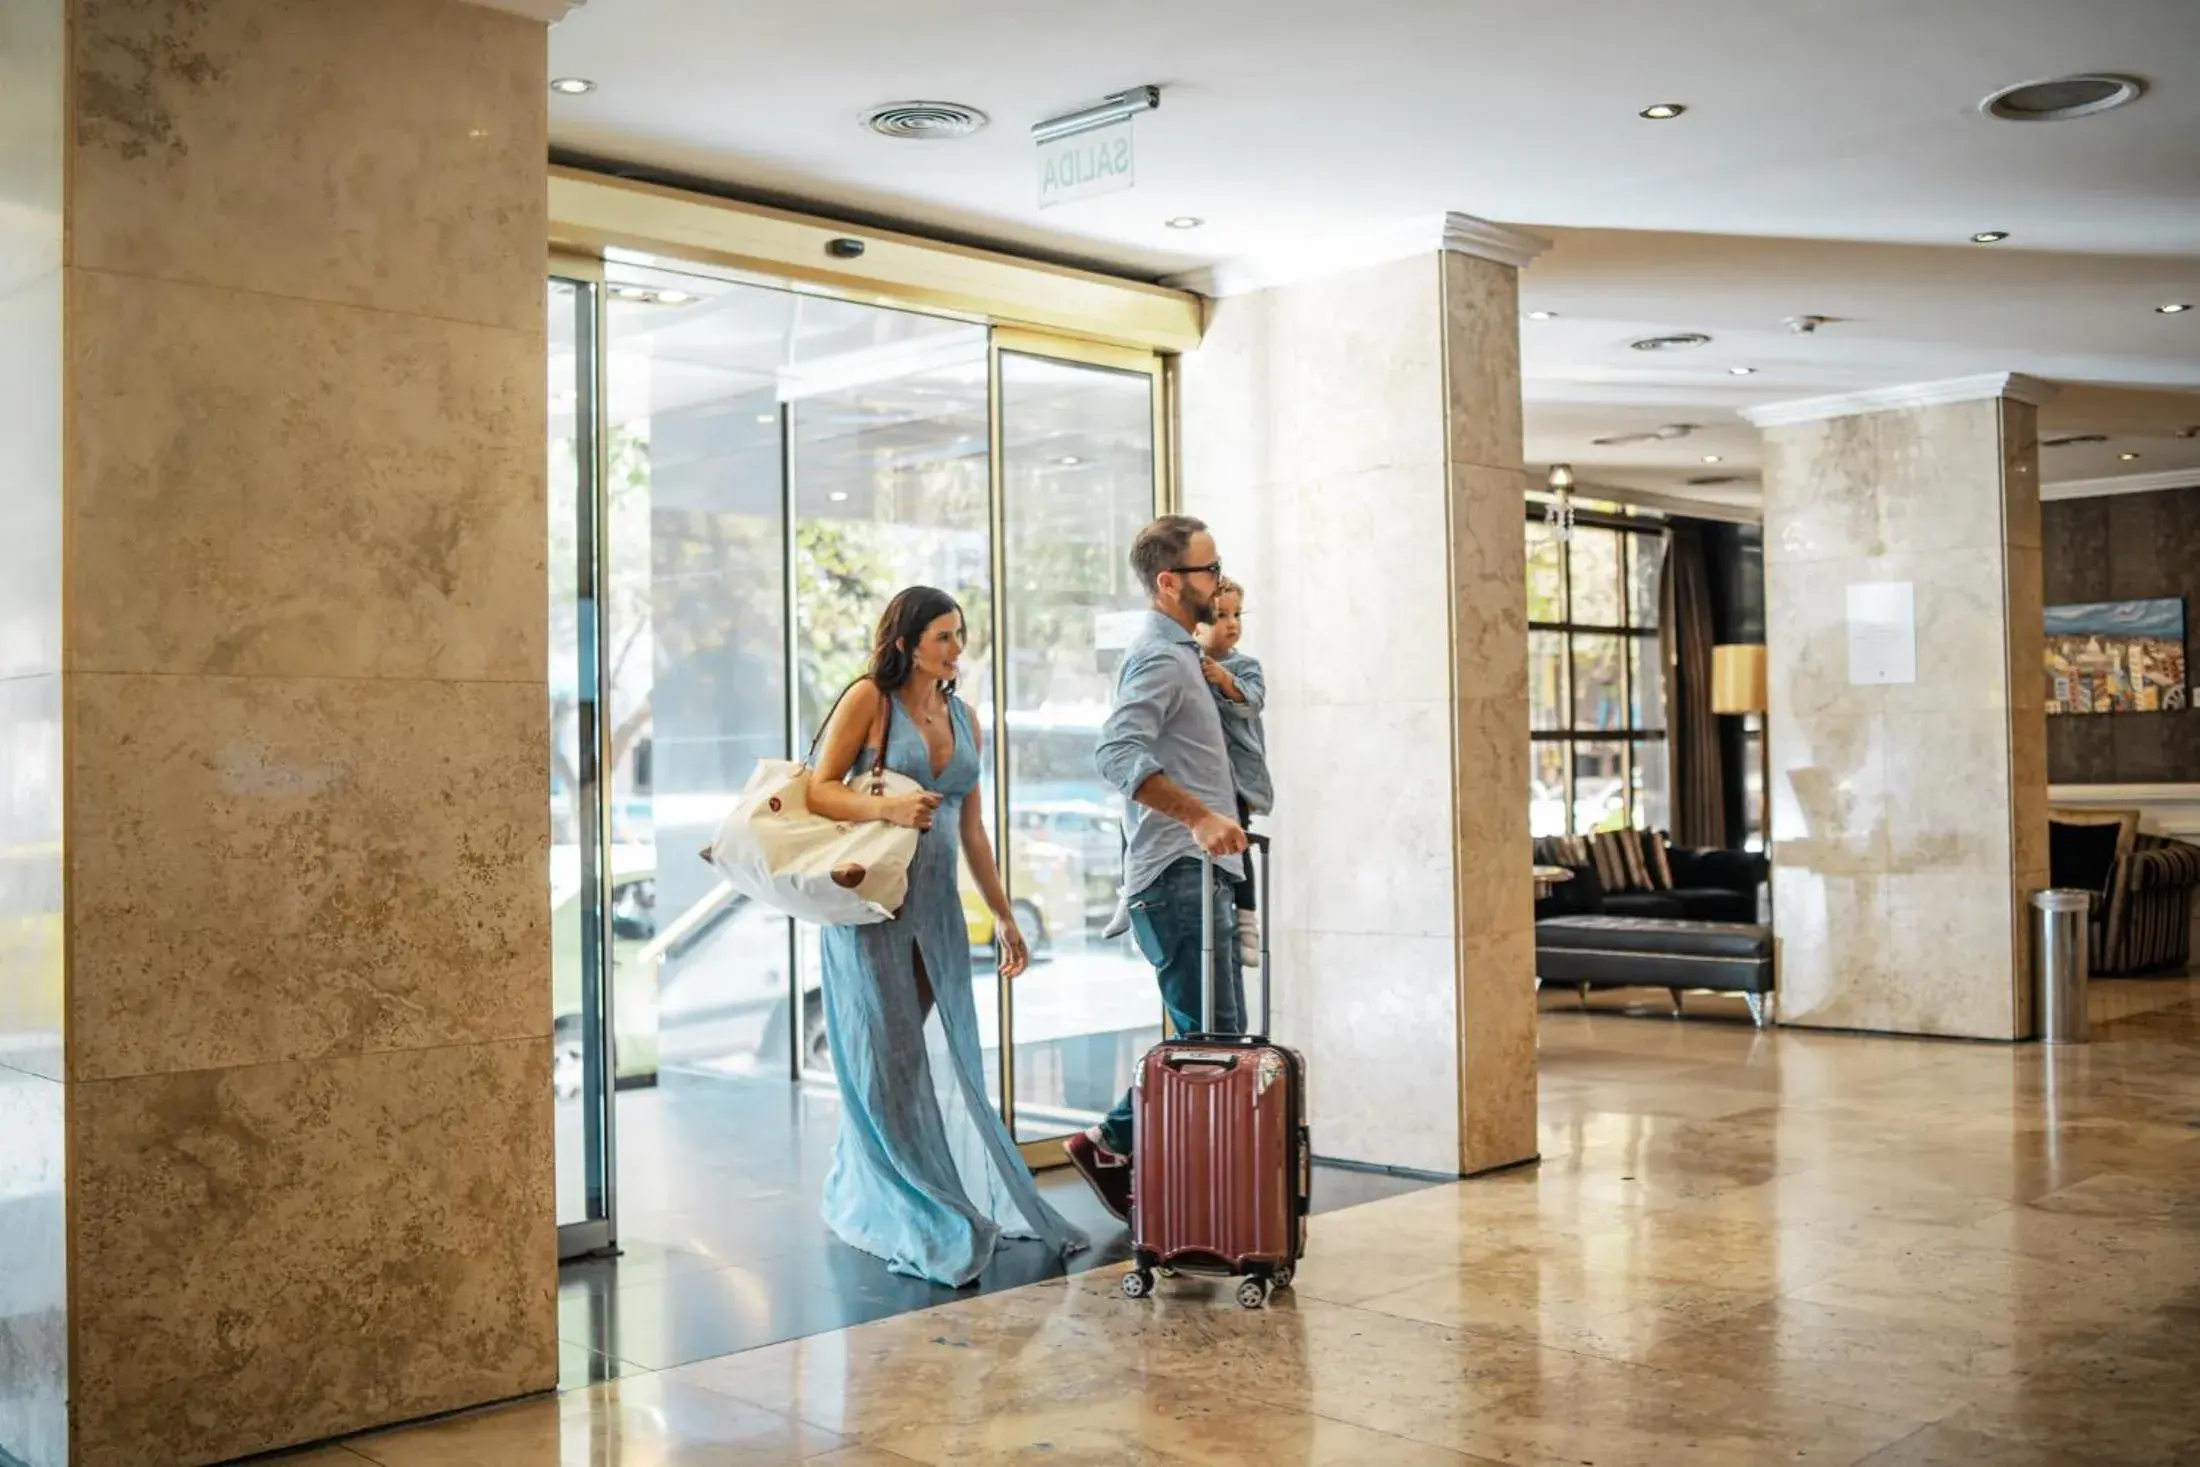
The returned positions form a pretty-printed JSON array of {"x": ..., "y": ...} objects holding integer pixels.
[
  {"x": 1739, "y": 1248},
  {"x": 722, "y": 1249}
]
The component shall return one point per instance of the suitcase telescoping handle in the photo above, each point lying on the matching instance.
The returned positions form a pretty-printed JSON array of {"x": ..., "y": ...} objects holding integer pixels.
[{"x": 1264, "y": 898}]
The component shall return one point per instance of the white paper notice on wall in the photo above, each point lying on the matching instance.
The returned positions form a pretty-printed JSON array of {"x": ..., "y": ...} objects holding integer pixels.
[{"x": 1882, "y": 632}]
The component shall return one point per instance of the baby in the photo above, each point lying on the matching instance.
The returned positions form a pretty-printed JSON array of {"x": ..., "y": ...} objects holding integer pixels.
[{"x": 1241, "y": 693}]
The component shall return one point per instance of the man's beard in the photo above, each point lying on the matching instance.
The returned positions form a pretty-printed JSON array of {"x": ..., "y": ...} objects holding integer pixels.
[{"x": 1202, "y": 608}]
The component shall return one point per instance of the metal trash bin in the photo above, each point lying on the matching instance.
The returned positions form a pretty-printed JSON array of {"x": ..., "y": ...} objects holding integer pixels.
[{"x": 2059, "y": 963}]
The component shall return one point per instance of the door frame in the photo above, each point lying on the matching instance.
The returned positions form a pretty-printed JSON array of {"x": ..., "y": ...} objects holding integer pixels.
[
  {"x": 1144, "y": 326},
  {"x": 598, "y": 1231},
  {"x": 1050, "y": 346}
]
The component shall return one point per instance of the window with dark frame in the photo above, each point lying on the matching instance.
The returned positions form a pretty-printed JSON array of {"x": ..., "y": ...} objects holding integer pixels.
[{"x": 1596, "y": 692}]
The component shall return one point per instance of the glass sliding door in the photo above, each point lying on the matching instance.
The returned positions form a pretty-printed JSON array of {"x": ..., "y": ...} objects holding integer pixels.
[
  {"x": 1078, "y": 480},
  {"x": 741, "y": 476},
  {"x": 586, "y": 1146},
  {"x": 890, "y": 480},
  {"x": 695, "y": 654},
  {"x": 777, "y": 466}
]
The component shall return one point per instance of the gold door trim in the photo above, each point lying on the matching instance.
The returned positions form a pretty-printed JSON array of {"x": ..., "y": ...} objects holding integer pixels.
[
  {"x": 1080, "y": 350},
  {"x": 591, "y": 213}
]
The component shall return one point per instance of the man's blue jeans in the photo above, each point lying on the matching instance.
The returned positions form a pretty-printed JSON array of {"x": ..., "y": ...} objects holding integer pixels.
[{"x": 1165, "y": 921}]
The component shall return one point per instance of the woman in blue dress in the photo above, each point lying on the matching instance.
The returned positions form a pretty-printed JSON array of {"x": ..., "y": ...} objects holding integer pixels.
[{"x": 924, "y": 1174}]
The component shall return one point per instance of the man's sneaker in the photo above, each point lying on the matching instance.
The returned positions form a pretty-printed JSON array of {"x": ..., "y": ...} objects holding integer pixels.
[
  {"x": 1108, "y": 1173},
  {"x": 1248, "y": 939}
]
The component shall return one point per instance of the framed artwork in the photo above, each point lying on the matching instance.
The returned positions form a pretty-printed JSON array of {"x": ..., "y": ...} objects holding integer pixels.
[{"x": 2116, "y": 656}]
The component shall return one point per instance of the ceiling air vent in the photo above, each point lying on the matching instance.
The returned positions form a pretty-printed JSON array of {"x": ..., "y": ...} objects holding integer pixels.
[
  {"x": 1666, "y": 434},
  {"x": 1707, "y": 481},
  {"x": 1679, "y": 341},
  {"x": 924, "y": 120},
  {"x": 2072, "y": 440},
  {"x": 2061, "y": 98}
]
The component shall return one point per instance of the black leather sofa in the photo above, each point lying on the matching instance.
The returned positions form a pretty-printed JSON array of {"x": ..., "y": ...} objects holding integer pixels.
[
  {"x": 1708, "y": 886},
  {"x": 1701, "y": 932}
]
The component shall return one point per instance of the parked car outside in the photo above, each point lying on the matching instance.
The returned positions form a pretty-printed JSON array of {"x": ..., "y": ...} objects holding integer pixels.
[{"x": 709, "y": 986}]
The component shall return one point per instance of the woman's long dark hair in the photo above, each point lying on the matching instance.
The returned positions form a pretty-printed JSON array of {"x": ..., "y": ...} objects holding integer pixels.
[{"x": 900, "y": 628}]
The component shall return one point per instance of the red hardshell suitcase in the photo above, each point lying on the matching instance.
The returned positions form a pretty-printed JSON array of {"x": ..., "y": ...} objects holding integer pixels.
[{"x": 1224, "y": 1163}]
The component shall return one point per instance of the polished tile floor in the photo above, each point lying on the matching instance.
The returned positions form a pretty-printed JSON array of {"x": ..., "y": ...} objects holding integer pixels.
[
  {"x": 1740, "y": 1248},
  {"x": 723, "y": 1250}
]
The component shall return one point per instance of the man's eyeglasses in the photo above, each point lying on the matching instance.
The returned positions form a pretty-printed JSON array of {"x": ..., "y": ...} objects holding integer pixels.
[{"x": 1212, "y": 568}]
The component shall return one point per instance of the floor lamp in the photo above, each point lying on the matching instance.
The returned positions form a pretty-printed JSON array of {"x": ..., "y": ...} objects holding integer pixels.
[{"x": 1738, "y": 687}]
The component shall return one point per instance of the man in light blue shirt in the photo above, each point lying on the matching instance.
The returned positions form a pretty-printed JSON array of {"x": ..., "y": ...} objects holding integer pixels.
[{"x": 1163, "y": 747}]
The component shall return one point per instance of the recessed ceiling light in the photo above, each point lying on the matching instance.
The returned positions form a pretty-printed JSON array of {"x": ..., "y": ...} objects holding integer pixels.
[
  {"x": 1185, "y": 221},
  {"x": 1712, "y": 458},
  {"x": 631, "y": 293},
  {"x": 766, "y": 419},
  {"x": 1663, "y": 111},
  {"x": 1990, "y": 236},
  {"x": 2061, "y": 98},
  {"x": 925, "y": 121},
  {"x": 1069, "y": 460},
  {"x": 2127, "y": 457},
  {"x": 1741, "y": 371},
  {"x": 2174, "y": 308},
  {"x": 572, "y": 86},
  {"x": 674, "y": 297},
  {"x": 1542, "y": 315},
  {"x": 1678, "y": 341},
  {"x": 838, "y": 496}
]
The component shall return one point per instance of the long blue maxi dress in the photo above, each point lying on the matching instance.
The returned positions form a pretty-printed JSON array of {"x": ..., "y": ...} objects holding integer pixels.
[{"x": 924, "y": 1173}]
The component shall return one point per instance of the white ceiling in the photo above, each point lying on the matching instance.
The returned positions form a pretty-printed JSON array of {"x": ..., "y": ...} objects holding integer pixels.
[{"x": 1832, "y": 162}]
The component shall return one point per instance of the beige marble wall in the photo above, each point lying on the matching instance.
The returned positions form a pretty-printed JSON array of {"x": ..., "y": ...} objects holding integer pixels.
[
  {"x": 1909, "y": 820},
  {"x": 309, "y": 1118},
  {"x": 33, "y": 1229},
  {"x": 1359, "y": 503}
]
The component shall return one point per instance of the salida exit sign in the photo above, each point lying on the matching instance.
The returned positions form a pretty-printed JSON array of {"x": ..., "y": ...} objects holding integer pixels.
[{"x": 1086, "y": 164}]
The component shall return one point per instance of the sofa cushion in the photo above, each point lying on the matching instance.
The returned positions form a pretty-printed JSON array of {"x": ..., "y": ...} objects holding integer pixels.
[
  {"x": 2125, "y": 822},
  {"x": 1646, "y": 904},
  {"x": 1654, "y": 935},
  {"x": 1714, "y": 903},
  {"x": 2082, "y": 855},
  {"x": 1728, "y": 870}
]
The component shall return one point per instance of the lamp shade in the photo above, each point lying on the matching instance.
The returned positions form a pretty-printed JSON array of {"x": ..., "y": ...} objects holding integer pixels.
[{"x": 1738, "y": 678}]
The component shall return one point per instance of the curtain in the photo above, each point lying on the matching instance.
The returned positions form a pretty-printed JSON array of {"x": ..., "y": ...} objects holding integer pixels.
[{"x": 1685, "y": 635}]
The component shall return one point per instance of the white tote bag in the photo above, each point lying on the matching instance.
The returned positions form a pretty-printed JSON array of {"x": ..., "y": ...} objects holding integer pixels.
[{"x": 774, "y": 850}]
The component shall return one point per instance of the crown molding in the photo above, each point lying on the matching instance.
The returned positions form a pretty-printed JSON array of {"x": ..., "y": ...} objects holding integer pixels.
[
  {"x": 2122, "y": 484},
  {"x": 1915, "y": 395},
  {"x": 1459, "y": 234},
  {"x": 549, "y": 12}
]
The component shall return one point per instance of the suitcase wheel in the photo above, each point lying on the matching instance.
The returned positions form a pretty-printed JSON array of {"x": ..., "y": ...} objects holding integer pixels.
[
  {"x": 1253, "y": 1293},
  {"x": 1166, "y": 1272},
  {"x": 1282, "y": 1277},
  {"x": 1137, "y": 1284}
]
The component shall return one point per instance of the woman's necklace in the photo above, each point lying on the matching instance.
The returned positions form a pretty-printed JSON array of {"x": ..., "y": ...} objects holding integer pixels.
[{"x": 926, "y": 716}]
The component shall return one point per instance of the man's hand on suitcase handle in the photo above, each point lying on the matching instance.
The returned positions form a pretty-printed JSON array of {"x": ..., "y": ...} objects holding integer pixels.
[{"x": 1219, "y": 835}]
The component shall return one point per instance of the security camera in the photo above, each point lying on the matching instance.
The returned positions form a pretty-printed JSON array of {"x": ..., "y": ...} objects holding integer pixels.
[
  {"x": 1805, "y": 325},
  {"x": 844, "y": 248}
]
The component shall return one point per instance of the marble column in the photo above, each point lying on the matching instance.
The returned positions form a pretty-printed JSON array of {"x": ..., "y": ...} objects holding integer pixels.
[
  {"x": 284, "y": 392},
  {"x": 1909, "y": 818},
  {"x": 1354, "y": 438}
]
